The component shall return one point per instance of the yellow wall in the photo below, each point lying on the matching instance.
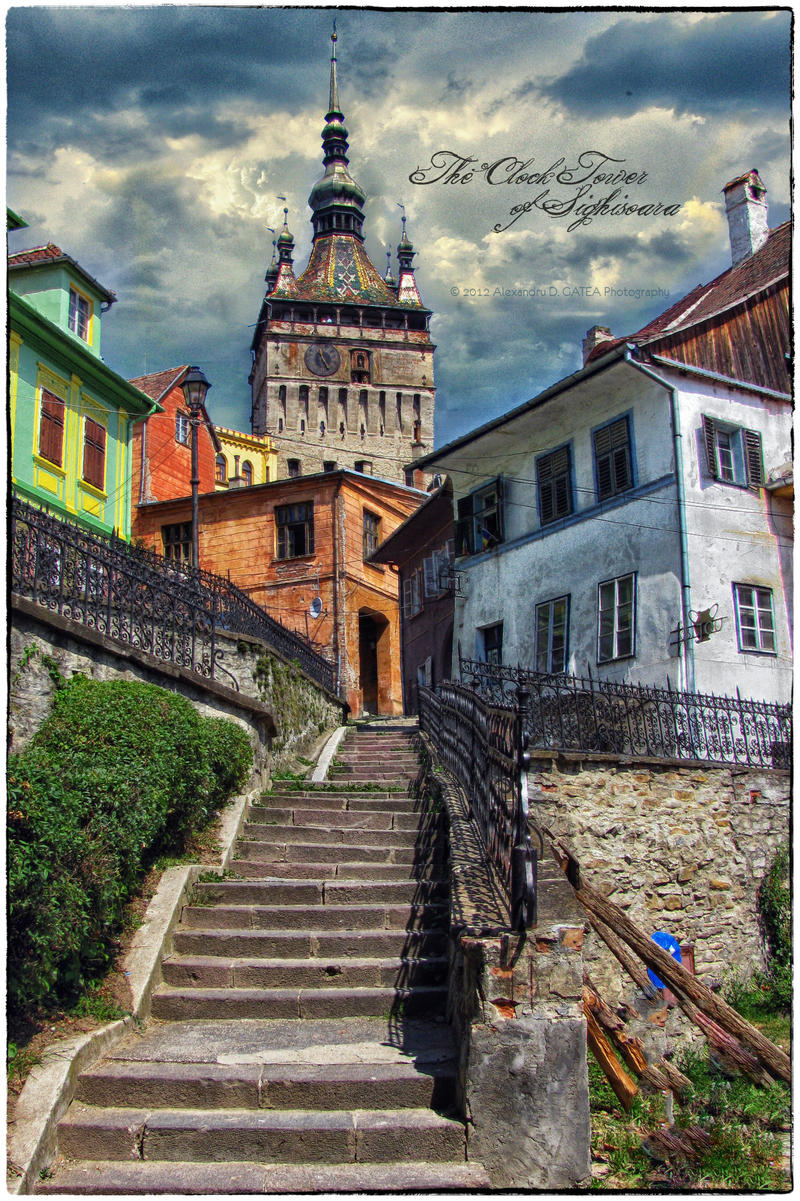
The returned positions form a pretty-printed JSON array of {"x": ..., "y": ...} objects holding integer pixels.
[{"x": 258, "y": 451}]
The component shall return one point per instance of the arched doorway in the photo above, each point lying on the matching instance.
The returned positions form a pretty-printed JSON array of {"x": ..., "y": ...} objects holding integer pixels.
[{"x": 373, "y": 635}]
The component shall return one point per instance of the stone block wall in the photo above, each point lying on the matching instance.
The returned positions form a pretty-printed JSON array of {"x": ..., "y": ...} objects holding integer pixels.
[{"x": 681, "y": 849}]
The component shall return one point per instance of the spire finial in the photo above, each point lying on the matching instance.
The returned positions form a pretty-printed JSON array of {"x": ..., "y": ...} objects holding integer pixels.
[{"x": 333, "y": 106}]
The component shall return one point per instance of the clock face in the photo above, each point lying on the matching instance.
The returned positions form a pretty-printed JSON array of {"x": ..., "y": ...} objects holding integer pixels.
[{"x": 322, "y": 359}]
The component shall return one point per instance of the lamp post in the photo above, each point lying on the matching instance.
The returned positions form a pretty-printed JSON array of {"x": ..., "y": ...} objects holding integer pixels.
[{"x": 195, "y": 386}]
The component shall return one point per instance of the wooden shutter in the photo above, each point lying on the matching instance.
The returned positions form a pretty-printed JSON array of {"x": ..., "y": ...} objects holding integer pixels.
[
  {"x": 753, "y": 458},
  {"x": 554, "y": 492},
  {"x": 94, "y": 453},
  {"x": 612, "y": 459},
  {"x": 501, "y": 524},
  {"x": 430, "y": 573},
  {"x": 709, "y": 437},
  {"x": 51, "y": 429}
]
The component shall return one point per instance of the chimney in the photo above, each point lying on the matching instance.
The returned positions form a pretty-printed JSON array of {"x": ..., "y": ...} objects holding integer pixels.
[
  {"x": 746, "y": 210},
  {"x": 595, "y": 337}
]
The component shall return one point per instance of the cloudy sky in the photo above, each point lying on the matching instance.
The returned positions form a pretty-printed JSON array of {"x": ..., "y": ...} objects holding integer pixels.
[{"x": 152, "y": 143}]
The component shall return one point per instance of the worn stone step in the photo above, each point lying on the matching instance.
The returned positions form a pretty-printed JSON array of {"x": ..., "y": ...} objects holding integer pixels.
[
  {"x": 260, "y": 869},
  {"x": 322, "y": 917},
  {"x": 240, "y": 1179},
  {"x": 273, "y": 851},
  {"x": 280, "y": 1136},
  {"x": 314, "y": 945},
  {"x": 283, "y": 808},
  {"x": 330, "y": 835},
  {"x": 339, "y": 796},
  {"x": 182, "y": 1004},
  {"x": 222, "y": 971},
  {"x": 345, "y": 884},
  {"x": 134, "y": 1084}
]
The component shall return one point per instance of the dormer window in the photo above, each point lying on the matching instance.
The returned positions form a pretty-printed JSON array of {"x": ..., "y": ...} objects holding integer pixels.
[
  {"x": 182, "y": 429},
  {"x": 80, "y": 311}
]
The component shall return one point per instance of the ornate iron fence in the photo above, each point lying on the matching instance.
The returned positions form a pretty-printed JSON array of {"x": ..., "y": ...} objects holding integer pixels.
[
  {"x": 484, "y": 747},
  {"x": 142, "y": 599},
  {"x": 573, "y": 713}
]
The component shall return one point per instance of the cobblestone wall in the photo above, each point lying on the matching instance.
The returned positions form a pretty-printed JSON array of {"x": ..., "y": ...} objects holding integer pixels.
[{"x": 682, "y": 850}]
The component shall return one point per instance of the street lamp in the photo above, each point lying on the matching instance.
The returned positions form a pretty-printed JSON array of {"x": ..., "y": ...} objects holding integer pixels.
[{"x": 195, "y": 386}]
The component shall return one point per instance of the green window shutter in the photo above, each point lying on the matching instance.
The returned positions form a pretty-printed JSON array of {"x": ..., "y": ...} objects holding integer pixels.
[
  {"x": 754, "y": 458},
  {"x": 709, "y": 437}
]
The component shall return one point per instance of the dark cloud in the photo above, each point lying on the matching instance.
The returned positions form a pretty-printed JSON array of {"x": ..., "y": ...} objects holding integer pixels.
[{"x": 698, "y": 68}]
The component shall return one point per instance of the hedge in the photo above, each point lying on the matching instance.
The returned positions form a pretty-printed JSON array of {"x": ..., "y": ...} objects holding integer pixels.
[{"x": 118, "y": 774}]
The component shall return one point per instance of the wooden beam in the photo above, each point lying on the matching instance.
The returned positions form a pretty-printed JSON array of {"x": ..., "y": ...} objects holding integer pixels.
[{"x": 625, "y": 1088}]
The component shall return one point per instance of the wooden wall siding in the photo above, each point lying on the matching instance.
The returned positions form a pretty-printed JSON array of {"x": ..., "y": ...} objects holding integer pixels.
[
  {"x": 738, "y": 344},
  {"x": 237, "y": 539}
]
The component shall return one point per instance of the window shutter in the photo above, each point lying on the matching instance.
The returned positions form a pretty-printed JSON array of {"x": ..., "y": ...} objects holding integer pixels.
[
  {"x": 711, "y": 447},
  {"x": 754, "y": 458},
  {"x": 501, "y": 524},
  {"x": 406, "y": 598},
  {"x": 51, "y": 428},
  {"x": 94, "y": 453},
  {"x": 429, "y": 565}
]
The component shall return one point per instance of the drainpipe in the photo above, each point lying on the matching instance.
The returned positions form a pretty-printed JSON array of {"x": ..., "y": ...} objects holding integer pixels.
[{"x": 687, "y": 647}]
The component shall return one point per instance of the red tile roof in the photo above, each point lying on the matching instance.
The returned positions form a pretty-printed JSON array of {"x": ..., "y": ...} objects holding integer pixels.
[
  {"x": 158, "y": 383},
  {"x": 39, "y": 256}
]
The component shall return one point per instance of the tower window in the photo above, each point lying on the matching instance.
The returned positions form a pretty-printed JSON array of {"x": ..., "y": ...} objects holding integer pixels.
[
  {"x": 80, "y": 310},
  {"x": 293, "y": 468}
]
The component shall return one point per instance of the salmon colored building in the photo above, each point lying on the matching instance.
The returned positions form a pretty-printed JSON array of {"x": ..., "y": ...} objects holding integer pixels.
[
  {"x": 161, "y": 457},
  {"x": 299, "y": 547}
]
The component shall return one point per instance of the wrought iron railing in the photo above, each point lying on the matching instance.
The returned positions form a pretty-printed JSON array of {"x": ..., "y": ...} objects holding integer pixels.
[
  {"x": 135, "y": 596},
  {"x": 573, "y": 713},
  {"x": 483, "y": 746}
]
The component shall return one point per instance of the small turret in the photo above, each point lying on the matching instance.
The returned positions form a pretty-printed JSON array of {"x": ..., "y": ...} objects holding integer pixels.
[{"x": 407, "y": 291}]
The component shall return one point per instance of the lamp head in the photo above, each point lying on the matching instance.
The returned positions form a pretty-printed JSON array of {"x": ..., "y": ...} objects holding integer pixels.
[{"x": 194, "y": 387}]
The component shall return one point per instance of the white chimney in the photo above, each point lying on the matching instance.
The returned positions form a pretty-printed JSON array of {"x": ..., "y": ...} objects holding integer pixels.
[
  {"x": 595, "y": 337},
  {"x": 746, "y": 210}
]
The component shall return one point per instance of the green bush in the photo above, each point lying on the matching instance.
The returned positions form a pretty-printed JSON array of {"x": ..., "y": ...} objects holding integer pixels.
[{"x": 119, "y": 773}]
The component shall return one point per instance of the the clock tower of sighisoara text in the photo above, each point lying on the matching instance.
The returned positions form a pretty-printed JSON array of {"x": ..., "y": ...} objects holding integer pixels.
[{"x": 342, "y": 357}]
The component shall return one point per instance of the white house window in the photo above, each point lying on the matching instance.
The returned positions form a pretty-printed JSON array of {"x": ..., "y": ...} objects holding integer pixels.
[
  {"x": 480, "y": 519},
  {"x": 612, "y": 458},
  {"x": 554, "y": 485},
  {"x": 755, "y": 620},
  {"x": 551, "y": 635},
  {"x": 616, "y": 603},
  {"x": 80, "y": 310},
  {"x": 733, "y": 454},
  {"x": 182, "y": 429},
  {"x": 491, "y": 639}
]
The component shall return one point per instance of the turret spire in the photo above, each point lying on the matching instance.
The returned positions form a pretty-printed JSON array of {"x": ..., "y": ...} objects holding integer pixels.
[{"x": 333, "y": 106}]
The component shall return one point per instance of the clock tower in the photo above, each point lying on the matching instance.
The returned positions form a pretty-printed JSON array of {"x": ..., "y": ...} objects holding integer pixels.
[{"x": 342, "y": 357}]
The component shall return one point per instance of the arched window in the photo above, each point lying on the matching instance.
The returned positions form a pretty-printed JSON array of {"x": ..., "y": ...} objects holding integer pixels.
[
  {"x": 220, "y": 469},
  {"x": 247, "y": 473}
]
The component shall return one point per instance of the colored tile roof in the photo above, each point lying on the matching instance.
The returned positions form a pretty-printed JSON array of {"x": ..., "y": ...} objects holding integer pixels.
[
  {"x": 339, "y": 269},
  {"x": 732, "y": 287},
  {"x": 41, "y": 256},
  {"x": 158, "y": 383}
]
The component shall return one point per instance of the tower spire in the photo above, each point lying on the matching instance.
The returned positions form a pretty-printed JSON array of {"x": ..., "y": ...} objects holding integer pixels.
[{"x": 333, "y": 105}]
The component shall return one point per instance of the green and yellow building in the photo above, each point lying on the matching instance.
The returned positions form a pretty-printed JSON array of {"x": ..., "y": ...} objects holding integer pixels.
[{"x": 71, "y": 416}]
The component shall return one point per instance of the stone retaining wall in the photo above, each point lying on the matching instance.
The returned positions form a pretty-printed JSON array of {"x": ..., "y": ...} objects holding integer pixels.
[
  {"x": 681, "y": 849},
  {"x": 283, "y": 710}
]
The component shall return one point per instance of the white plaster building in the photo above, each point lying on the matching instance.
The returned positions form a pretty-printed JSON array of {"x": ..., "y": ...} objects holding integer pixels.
[{"x": 596, "y": 523}]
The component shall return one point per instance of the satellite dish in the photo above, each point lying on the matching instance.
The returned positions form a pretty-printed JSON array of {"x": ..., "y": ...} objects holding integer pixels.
[{"x": 315, "y": 608}]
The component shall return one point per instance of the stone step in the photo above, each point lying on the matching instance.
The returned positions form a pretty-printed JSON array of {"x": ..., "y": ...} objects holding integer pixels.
[
  {"x": 280, "y": 1136},
  {"x": 272, "y": 850},
  {"x": 221, "y": 971},
  {"x": 141, "y": 1178},
  {"x": 255, "y": 916},
  {"x": 133, "y": 1084},
  {"x": 283, "y": 944},
  {"x": 202, "y": 1004},
  {"x": 339, "y": 819},
  {"x": 335, "y": 873},
  {"x": 331, "y": 835},
  {"x": 386, "y": 882},
  {"x": 348, "y": 802}
]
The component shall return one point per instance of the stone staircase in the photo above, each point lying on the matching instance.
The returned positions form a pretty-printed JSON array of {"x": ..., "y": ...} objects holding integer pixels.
[{"x": 298, "y": 1042}]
